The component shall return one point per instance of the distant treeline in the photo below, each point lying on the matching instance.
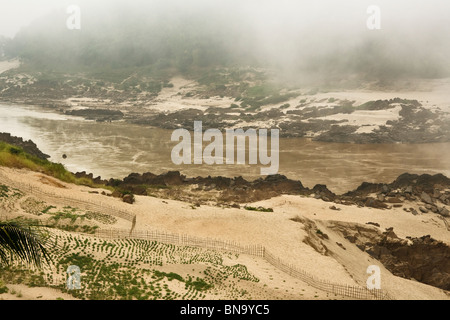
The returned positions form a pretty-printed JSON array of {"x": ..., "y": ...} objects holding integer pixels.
[
  {"x": 130, "y": 41},
  {"x": 189, "y": 41}
]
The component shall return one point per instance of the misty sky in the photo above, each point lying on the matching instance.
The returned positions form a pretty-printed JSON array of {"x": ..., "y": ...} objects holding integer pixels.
[
  {"x": 322, "y": 36},
  {"x": 331, "y": 16}
]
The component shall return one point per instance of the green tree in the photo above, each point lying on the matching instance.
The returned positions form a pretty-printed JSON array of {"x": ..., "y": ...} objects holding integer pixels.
[{"x": 23, "y": 242}]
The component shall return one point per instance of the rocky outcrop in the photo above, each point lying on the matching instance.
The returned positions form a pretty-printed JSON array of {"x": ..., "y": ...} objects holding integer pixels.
[
  {"x": 128, "y": 198},
  {"x": 171, "y": 178},
  {"x": 315, "y": 236},
  {"x": 90, "y": 176},
  {"x": 416, "y": 124},
  {"x": 430, "y": 190},
  {"x": 99, "y": 115},
  {"x": 28, "y": 146},
  {"x": 424, "y": 259},
  {"x": 236, "y": 189}
]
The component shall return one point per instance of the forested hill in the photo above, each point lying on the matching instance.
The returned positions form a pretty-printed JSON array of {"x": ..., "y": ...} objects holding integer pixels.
[
  {"x": 130, "y": 38},
  {"x": 190, "y": 37}
]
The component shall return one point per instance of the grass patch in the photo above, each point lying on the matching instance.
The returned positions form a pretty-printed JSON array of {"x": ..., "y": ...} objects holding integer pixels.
[
  {"x": 15, "y": 157},
  {"x": 3, "y": 288},
  {"x": 170, "y": 276},
  {"x": 260, "y": 209},
  {"x": 46, "y": 210},
  {"x": 4, "y": 191},
  {"x": 126, "y": 271},
  {"x": 198, "y": 284}
]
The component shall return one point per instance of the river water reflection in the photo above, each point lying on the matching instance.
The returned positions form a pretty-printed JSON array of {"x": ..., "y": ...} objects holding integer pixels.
[{"x": 117, "y": 149}]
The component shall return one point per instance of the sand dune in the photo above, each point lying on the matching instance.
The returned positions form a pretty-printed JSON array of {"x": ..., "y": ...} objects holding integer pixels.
[
  {"x": 274, "y": 230},
  {"x": 7, "y": 65}
]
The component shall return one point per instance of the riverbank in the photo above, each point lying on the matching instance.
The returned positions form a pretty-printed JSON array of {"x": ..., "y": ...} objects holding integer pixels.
[
  {"x": 417, "y": 112},
  {"x": 114, "y": 150},
  {"x": 289, "y": 231}
]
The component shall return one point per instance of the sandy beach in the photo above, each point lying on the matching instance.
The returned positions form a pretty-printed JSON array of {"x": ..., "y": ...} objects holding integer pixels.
[
  {"x": 7, "y": 65},
  {"x": 273, "y": 230}
]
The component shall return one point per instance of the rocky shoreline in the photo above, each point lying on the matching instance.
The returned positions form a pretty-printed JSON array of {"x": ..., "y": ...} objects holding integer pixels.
[
  {"x": 421, "y": 258},
  {"x": 431, "y": 191},
  {"x": 28, "y": 146},
  {"x": 315, "y": 115}
]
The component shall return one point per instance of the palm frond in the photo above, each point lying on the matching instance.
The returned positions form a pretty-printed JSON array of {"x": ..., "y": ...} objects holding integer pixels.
[{"x": 23, "y": 242}]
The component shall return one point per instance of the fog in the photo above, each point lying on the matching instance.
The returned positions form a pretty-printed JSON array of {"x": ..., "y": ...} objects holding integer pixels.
[{"x": 306, "y": 40}]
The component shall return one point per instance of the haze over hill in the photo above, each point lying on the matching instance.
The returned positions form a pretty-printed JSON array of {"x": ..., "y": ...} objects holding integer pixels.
[
  {"x": 309, "y": 42},
  {"x": 362, "y": 133}
]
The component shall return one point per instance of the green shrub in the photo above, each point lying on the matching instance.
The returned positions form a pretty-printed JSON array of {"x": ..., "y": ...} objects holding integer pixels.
[
  {"x": 199, "y": 284},
  {"x": 3, "y": 288},
  {"x": 260, "y": 209}
]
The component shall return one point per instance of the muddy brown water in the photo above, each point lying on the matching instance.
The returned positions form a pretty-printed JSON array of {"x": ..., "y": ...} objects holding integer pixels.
[{"x": 117, "y": 149}]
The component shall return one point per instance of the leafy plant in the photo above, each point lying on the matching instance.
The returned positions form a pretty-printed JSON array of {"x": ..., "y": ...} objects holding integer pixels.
[
  {"x": 23, "y": 242},
  {"x": 260, "y": 209}
]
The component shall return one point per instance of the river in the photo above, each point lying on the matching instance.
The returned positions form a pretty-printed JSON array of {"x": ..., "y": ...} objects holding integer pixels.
[{"x": 117, "y": 149}]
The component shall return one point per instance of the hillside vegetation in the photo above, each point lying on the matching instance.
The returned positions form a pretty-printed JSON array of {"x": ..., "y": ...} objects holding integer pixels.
[{"x": 15, "y": 157}]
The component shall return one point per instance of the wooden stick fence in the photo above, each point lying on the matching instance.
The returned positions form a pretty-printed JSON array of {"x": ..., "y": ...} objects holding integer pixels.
[
  {"x": 445, "y": 222},
  {"x": 339, "y": 289},
  {"x": 214, "y": 244},
  {"x": 72, "y": 200},
  {"x": 182, "y": 239},
  {"x": 254, "y": 250}
]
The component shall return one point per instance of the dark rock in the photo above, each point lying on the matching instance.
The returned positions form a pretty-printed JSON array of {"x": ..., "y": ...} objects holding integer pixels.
[
  {"x": 423, "y": 259},
  {"x": 335, "y": 208},
  {"x": 28, "y": 146},
  {"x": 413, "y": 211},
  {"x": 425, "y": 181},
  {"x": 116, "y": 194},
  {"x": 324, "y": 193},
  {"x": 98, "y": 180},
  {"x": 423, "y": 210},
  {"x": 394, "y": 200},
  {"x": 97, "y": 114},
  {"x": 425, "y": 197},
  {"x": 374, "y": 203},
  {"x": 171, "y": 178},
  {"x": 341, "y": 245},
  {"x": 443, "y": 211},
  {"x": 364, "y": 189},
  {"x": 350, "y": 238},
  {"x": 90, "y": 176},
  {"x": 385, "y": 189},
  {"x": 174, "y": 178},
  {"x": 374, "y": 224},
  {"x": 389, "y": 233},
  {"x": 436, "y": 193},
  {"x": 128, "y": 198}
]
